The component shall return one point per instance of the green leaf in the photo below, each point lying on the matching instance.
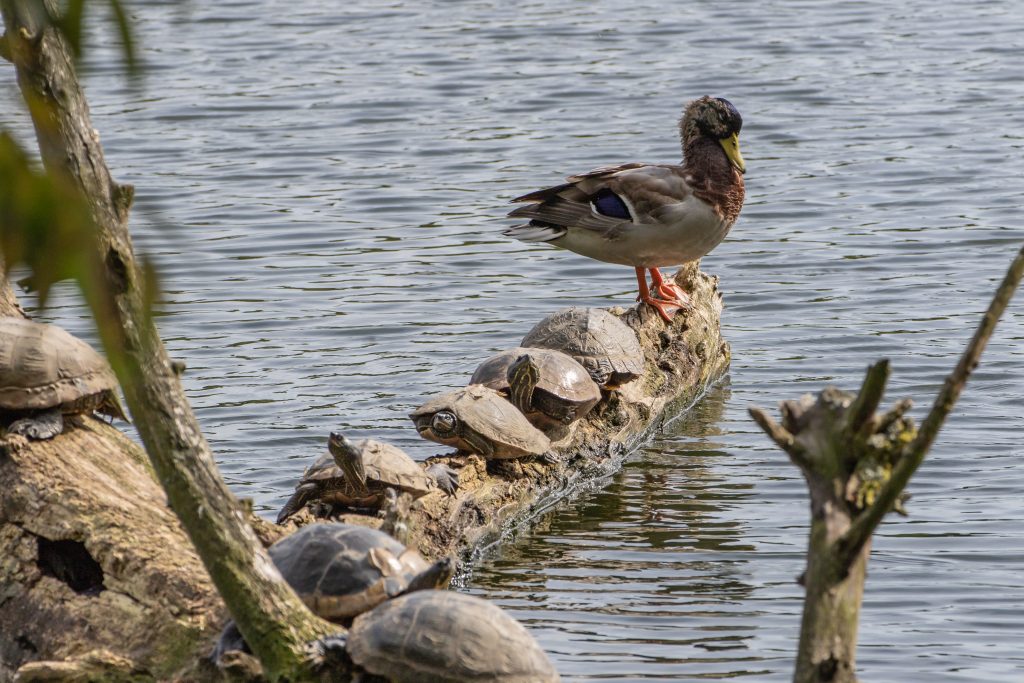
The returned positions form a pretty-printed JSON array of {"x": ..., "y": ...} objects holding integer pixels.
[
  {"x": 45, "y": 225},
  {"x": 124, "y": 28},
  {"x": 70, "y": 24}
]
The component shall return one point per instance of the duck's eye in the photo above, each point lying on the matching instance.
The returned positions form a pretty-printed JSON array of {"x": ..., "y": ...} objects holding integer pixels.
[
  {"x": 443, "y": 423},
  {"x": 607, "y": 203}
]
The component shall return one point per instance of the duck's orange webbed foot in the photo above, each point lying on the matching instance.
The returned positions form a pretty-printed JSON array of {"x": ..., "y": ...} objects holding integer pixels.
[
  {"x": 669, "y": 290},
  {"x": 666, "y": 309},
  {"x": 672, "y": 297}
]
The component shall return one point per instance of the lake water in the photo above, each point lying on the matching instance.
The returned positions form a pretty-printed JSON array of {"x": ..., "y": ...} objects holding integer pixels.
[{"x": 323, "y": 188}]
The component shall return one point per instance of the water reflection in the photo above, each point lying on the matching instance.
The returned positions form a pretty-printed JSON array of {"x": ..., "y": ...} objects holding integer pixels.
[{"x": 652, "y": 568}]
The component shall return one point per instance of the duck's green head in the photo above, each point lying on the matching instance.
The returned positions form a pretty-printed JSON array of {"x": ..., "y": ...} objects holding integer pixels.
[{"x": 716, "y": 118}]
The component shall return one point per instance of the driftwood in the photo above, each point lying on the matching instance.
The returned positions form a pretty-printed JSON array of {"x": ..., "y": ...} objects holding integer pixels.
[
  {"x": 682, "y": 359},
  {"x": 857, "y": 464},
  {"x": 94, "y": 563}
]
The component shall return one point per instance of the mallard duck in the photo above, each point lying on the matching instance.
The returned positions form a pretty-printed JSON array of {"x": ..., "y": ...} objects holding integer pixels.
[{"x": 649, "y": 215}]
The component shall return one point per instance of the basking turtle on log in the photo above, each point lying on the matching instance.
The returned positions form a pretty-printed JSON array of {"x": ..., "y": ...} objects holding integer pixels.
[
  {"x": 477, "y": 419},
  {"x": 550, "y": 388},
  {"x": 343, "y": 570},
  {"x": 445, "y": 637},
  {"x": 596, "y": 339},
  {"x": 45, "y": 373},
  {"x": 358, "y": 474}
]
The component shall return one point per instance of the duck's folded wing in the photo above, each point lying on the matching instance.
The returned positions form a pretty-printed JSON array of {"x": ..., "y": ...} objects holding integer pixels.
[{"x": 605, "y": 200}]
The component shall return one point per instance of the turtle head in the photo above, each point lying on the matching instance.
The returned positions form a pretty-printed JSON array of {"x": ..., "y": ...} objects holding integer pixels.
[
  {"x": 443, "y": 423},
  {"x": 349, "y": 457},
  {"x": 435, "y": 577},
  {"x": 522, "y": 377}
]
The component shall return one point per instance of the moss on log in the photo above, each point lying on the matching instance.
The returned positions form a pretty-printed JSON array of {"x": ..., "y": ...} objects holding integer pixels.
[{"x": 681, "y": 360}]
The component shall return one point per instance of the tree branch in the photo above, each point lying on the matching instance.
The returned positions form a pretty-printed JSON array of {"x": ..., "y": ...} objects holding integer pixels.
[
  {"x": 868, "y": 398},
  {"x": 780, "y": 436},
  {"x": 270, "y": 616},
  {"x": 865, "y": 524}
]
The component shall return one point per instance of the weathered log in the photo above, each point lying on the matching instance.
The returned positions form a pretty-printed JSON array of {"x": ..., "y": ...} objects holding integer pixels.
[
  {"x": 857, "y": 464},
  {"x": 93, "y": 563},
  {"x": 681, "y": 360},
  {"x": 274, "y": 621}
]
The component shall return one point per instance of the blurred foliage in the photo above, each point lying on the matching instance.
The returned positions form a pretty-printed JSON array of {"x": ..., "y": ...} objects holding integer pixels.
[
  {"x": 45, "y": 225},
  {"x": 72, "y": 21}
]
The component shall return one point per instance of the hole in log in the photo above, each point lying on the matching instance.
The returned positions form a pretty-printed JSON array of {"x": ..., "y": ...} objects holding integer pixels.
[
  {"x": 117, "y": 271},
  {"x": 25, "y": 644},
  {"x": 70, "y": 562}
]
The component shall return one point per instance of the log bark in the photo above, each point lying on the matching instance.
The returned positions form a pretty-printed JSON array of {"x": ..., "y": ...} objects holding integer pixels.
[
  {"x": 681, "y": 360},
  {"x": 274, "y": 621},
  {"x": 857, "y": 464},
  {"x": 94, "y": 566}
]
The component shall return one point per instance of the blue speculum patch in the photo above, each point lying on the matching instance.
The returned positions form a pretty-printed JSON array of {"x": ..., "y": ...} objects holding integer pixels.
[{"x": 608, "y": 203}]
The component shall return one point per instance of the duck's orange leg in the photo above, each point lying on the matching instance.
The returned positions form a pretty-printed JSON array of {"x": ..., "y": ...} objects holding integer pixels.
[
  {"x": 669, "y": 291},
  {"x": 666, "y": 309}
]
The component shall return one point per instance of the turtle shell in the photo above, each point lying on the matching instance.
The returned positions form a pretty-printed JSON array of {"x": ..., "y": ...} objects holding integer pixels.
[
  {"x": 442, "y": 636},
  {"x": 479, "y": 420},
  {"x": 564, "y": 391},
  {"x": 341, "y": 570},
  {"x": 386, "y": 466},
  {"x": 598, "y": 340},
  {"x": 42, "y": 366},
  {"x": 390, "y": 466}
]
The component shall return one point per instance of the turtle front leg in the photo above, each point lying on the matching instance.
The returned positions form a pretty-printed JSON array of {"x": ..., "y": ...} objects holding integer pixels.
[
  {"x": 447, "y": 479},
  {"x": 41, "y": 426}
]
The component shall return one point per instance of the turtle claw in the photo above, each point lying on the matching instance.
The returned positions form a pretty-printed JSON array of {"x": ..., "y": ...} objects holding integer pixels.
[
  {"x": 40, "y": 426},
  {"x": 329, "y": 653},
  {"x": 549, "y": 458},
  {"x": 447, "y": 479}
]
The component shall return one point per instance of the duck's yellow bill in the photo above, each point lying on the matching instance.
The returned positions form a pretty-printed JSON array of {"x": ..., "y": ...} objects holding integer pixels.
[{"x": 731, "y": 145}]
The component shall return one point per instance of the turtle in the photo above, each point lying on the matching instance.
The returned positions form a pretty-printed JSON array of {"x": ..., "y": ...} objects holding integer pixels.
[
  {"x": 356, "y": 474},
  {"x": 342, "y": 570},
  {"x": 445, "y": 637},
  {"x": 598, "y": 340},
  {"x": 550, "y": 388},
  {"x": 478, "y": 419},
  {"x": 45, "y": 373}
]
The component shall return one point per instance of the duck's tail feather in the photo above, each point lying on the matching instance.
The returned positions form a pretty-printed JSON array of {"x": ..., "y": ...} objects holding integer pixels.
[{"x": 535, "y": 232}]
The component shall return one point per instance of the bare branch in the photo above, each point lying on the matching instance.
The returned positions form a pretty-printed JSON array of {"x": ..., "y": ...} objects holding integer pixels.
[
  {"x": 859, "y": 533},
  {"x": 780, "y": 436},
  {"x": 897, "y": 411},
  {"x": 869, "y": 397}
]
